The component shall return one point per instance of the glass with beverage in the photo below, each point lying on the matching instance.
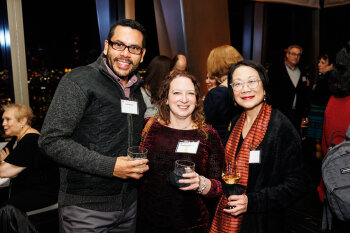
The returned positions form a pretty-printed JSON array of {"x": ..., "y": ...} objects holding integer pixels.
[
  {"x": 231, "y": 176},
  {"x": 137, "y": 152},
  {"x": 181, "y": 167}
]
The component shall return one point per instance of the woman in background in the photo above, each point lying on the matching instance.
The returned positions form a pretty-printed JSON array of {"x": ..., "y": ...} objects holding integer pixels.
[
  {"x": 219, "y": 109},
  {"x": 34, "y": 177},
  {"x": 319, "y": 99},
  {"x": 157, "y": 69},
  {"x": 211, "y": 82}
]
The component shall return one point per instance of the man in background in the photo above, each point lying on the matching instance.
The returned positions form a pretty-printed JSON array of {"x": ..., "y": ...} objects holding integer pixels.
[
  {"x": 180, "y": 63},
  {"x": 289, "y": 87}
]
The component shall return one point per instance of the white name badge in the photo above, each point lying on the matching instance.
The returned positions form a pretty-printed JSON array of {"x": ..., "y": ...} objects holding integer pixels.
[
  {"x": 184, "y": 146},
  {"x": 254, "y": 156},
  {"x": 129, "y": 106}
]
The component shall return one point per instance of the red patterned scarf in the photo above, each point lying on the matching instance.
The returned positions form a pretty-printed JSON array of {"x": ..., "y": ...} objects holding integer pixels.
[{"x": 224, "y": 222}]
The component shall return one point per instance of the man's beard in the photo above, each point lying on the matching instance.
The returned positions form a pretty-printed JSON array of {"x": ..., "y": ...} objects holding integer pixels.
[{"x": 110, "y": 63}]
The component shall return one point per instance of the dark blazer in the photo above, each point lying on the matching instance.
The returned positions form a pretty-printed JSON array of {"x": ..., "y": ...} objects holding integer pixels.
[
  {"x": 278, "y": 180},
  {"x": 219, "y": 110},
  {"x": 283, "y": 92}
]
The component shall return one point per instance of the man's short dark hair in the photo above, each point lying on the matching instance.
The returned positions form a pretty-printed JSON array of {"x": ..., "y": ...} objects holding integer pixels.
[
  {"x": 295, "y": 46},
  {"x": 129, "y": 23}
]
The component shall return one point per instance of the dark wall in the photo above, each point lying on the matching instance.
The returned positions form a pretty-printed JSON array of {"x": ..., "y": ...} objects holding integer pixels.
[
  {"x": 236, "y": 16},
  {"x": 335, "y": 24},
  {"x": 286, "y": 25},
  {"x": 144, "y": 14}
]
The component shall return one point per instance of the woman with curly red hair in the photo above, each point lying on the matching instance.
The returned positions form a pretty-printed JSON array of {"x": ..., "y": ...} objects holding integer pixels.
[{"x": 179, "y": 132}]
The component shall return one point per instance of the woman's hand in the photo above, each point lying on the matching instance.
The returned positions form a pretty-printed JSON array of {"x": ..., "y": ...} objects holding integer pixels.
[
  {"x": 4, "y": 153},
  {"x": 192, "y": 179},
  {"x": 240, "y": 204}
]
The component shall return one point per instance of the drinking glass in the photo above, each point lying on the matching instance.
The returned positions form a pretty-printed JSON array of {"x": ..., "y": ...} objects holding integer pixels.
[
  {"x": 231, "y": 176},
  {"x": 137, "y": 152},
  {"x": 181, "y": 167}
]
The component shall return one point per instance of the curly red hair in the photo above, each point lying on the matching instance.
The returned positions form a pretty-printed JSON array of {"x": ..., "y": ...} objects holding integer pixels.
[{"x": 164, "y": 110}]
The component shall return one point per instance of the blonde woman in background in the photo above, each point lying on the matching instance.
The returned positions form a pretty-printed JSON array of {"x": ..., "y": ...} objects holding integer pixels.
[
  {"x": 34, "y": 177},
  {"x": 219, "y": 108}
]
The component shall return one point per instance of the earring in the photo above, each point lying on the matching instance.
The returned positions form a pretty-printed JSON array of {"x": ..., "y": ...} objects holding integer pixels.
[{"x": 264, "y": 97}]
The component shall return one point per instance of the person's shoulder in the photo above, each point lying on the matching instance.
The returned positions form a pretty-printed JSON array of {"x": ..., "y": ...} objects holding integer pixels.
[
  {"x": 217, "y": 91},
  {"x": 209, "y": 128},
  {"x": 211, "y": 131},
  {"x": 30, "y": 140},
  {"x": 152, "y": 120},
  {"x": 31, "y": 137},
  {"x": 280, "y": 122},
  {"x": 81, "y": 72},
  {"x": 278, "y": 116}
]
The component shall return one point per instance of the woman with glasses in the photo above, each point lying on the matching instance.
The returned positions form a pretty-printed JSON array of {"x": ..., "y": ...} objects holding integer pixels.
[{"x": 266, "y": 149}]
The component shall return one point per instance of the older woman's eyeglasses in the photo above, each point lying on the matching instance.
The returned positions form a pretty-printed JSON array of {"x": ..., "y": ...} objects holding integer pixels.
[
  {"x": 252, "y": 84},
  {"x": 119, "y": 46}
]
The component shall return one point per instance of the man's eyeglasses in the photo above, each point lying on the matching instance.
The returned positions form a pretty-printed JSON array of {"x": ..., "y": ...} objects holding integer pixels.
[
  {"x": 295, "y": 54},
  {"x": 252, "y": 84},
  {"x": 134, "y": 49}
]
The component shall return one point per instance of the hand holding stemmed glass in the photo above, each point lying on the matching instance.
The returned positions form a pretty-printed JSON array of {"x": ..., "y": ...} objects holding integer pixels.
[{"x": 237, "y": 201}]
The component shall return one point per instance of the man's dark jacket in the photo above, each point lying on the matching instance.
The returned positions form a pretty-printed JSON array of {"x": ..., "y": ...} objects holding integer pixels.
[
  {"x": 85, "y": 130},
  {"x": 283, "y": 92}
]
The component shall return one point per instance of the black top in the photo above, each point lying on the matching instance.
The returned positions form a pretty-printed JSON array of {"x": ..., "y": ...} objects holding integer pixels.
[
  {"x": 321, "y": 93},
  {"x": 219, "y": 110},
  {"x": 39, "y": 181}
]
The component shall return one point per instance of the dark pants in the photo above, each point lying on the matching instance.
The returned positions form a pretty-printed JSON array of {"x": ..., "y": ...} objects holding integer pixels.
[{"x": 77, "y": 219}]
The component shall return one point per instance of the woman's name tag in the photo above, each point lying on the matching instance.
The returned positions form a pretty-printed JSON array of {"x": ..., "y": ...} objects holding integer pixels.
[
  {"x": 254, "y": 156},
  {"x": 185, "y": 146},
  {"x": 129, "y": 106}
]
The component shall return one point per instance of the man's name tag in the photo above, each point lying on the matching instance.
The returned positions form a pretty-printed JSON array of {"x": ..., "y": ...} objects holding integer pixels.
[
  {"x": 184, "y": 146},
  {"x": 129, "y": 106},
  {"x": 254, "y": 156}
]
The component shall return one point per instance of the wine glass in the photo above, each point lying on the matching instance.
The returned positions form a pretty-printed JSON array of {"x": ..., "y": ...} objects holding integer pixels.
[{"x": 231, "y": 176}]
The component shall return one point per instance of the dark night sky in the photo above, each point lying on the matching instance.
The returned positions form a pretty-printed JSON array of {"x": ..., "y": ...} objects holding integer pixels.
[{"x": 51, "y": 26}]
